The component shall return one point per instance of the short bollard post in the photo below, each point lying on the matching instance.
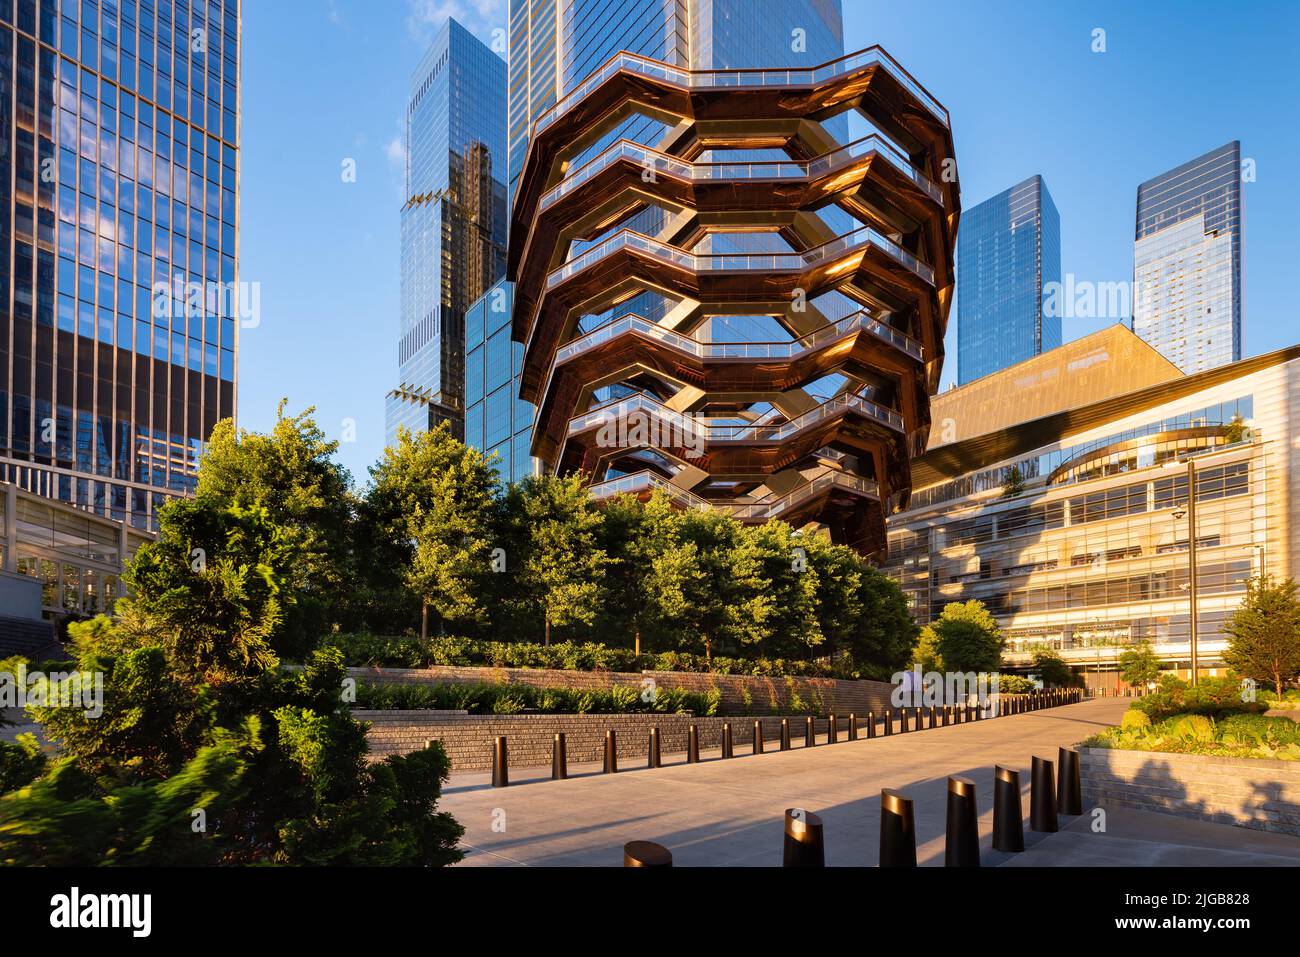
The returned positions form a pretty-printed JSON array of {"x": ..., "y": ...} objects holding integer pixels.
[
  {"x": 1069, "y": 796},
  {"x": 1008, "y": 822},
  {"x": 917, "y": 713},
  {"x": 652, "y": 753},
  {"x": 947, "y": 715},
  {"x": 559, "y": 758},
  {"x": 646, "y": 854},
  {"x": 897, "y": 830},
  {"x": 726, "y": 739},
  {"x": 810, "y": 733},
  {"x": 611, "y": 752},
  {"x": 853, "y": 726},
  {"x": 804, "y": 839},
  {"x": 785, "y": 734},
  {"x": 832, "y": 730},
  {"x": 970, "y": 712},
  {"x": 500, "y": 767},
  {"x": 693, "y": 745},
  {"x": 934, "y": 716},
  {"x": 962, "y": 839},
  {"x": 871, "y": 724},
  {"x": 956, "y": 714},
  {"x": 758, "y": 737},
  {"x": 889, "y": 722},
  {"x": 1042, "y": 797},
  {"x": 902, "y": 721}
]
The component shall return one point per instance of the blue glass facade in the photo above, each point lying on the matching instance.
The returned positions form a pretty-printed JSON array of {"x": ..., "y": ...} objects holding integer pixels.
[
  {"x": 453, "y": 223},
  {"x": 1187, "y": 261},
  {"x": 496, "y": 419},
  {"x": 119, "y": 296},
  {"x": 1008, "y": 252}
]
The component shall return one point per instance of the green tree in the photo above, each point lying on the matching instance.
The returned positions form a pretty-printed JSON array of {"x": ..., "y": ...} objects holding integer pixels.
[
  {"x": 1264, "y": 632},
  {"x": 645, "y": 579},
  {"x": 291, "y": 473},
  {"x": 562, "y": 571},
  {"x": 210, "y": 589},
  {"x": 968, "y": 637},
  {"x": 1014, "y": 483},
  {"x": 706, "y": 621},
  {"x": 436, "y": 498},
  {"x": 1139, "y": 664},
  {"x": 1052, "y": 669}
]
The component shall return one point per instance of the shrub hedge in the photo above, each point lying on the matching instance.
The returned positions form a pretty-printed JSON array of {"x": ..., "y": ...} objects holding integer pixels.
[
  {"x": 514, "y": 698},
  {"x": 1212, "y": 697},
  {"x": 383, "y": 651},
  {"x": 1237, "y": 735}
]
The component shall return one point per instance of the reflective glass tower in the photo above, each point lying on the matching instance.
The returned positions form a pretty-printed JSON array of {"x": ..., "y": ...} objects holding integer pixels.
[
  {"x": 453, "y": 223},
  {"x": 1008, "y": 251},
  {"x": 1187, "y": 261},
  {"x": 119, "y": 292}
]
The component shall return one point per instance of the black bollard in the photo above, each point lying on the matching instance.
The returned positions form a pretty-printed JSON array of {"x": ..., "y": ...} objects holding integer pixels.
[
  {"x": 785, "y": 734},
  {"x": 871, "y": 724},
  {"x": 832, "y": 730},
  {"x": 934, "y": 716},
  {"x": 810, "y": 733},
  {"x": 804, "y": 840},
  {"x": 889, "y": 722},
  {"x": 962, "y": 840},
  {"x": 1069, "y": 796},
  {"x": 853, "y": 726},
  {"x": 1042, "y": 797},
  {"x": 611, "y": 752},
  {"x": 916, "y": 717},
  {"x": 646, "y": 854},
  {"x": 947, "y": 715},
  {"x": 1008, "y": 821},
  {"x": 726, "y": 739},
  {"x": 758, "y": 737},
  {"x": 500, "y": 767},
  {"x": 693, "y": 745},
  {"x": 652, "y": 753},
  {"x": 559, "y": 758},
  {"x": 902, "y": 721},
  {"x": 897, "y": 830}
]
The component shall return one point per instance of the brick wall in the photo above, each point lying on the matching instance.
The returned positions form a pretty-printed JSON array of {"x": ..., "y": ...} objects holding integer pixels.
[
  {"x": 1264, "y": 795},
  {"x": 529, "y": 737},
  {"x": 765, "y": 695}
]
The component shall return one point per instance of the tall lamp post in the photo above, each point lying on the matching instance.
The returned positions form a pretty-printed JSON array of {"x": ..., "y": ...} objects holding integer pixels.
[{"x": 1191, "y": 557}]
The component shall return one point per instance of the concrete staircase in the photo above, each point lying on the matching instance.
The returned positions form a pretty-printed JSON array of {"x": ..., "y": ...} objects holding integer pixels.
[{"x": 33, "y": 639}]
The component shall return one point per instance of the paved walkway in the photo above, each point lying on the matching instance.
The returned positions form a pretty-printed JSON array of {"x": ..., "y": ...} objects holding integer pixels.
[{"x": 730, "y": 813}]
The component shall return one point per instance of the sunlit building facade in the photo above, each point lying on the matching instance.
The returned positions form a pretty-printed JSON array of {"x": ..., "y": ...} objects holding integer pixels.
[
  {"x": 1056, "y": 492},
  {"x": 453, "y": 223},
  {"x": 1008, "y": 257},
  {"x": 1187, "y": 261},
  {"x": 120, "y": 299}
]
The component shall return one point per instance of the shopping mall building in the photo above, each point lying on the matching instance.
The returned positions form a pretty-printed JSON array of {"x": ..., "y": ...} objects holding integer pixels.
[{"x": 1056, "y": 492}]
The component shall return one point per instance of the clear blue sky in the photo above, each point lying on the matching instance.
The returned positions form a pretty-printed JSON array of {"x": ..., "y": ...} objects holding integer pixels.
[{"x": 325, "y": 81}]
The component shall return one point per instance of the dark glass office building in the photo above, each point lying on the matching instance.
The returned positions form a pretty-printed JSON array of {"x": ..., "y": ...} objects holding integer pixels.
[
  {"x": 453, "y": 223},
  {"x": 1008, "y": 253},
  {"x": 119, "y": 294},
  {"x": 1187, "y": 261}
]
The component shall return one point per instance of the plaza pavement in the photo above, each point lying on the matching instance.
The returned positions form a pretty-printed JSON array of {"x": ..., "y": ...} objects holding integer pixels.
[{"x": 730, "y": 813}]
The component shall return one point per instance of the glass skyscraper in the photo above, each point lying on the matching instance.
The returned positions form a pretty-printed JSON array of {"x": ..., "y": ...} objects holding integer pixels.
[
  {"x": 496, "y": 419},
  {"x": 1187, "y": 261},
  {"x": 1008, "y": 252},
  {"x": 119, "y": 292},
  {"x": 453, "y": 223}
]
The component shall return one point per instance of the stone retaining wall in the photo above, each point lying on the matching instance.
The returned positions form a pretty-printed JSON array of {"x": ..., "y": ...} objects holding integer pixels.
[
  {"x": 1259, "y": 794},
  {"x": 529, "y": 737},
  {"x": 741, "y": 694}
]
